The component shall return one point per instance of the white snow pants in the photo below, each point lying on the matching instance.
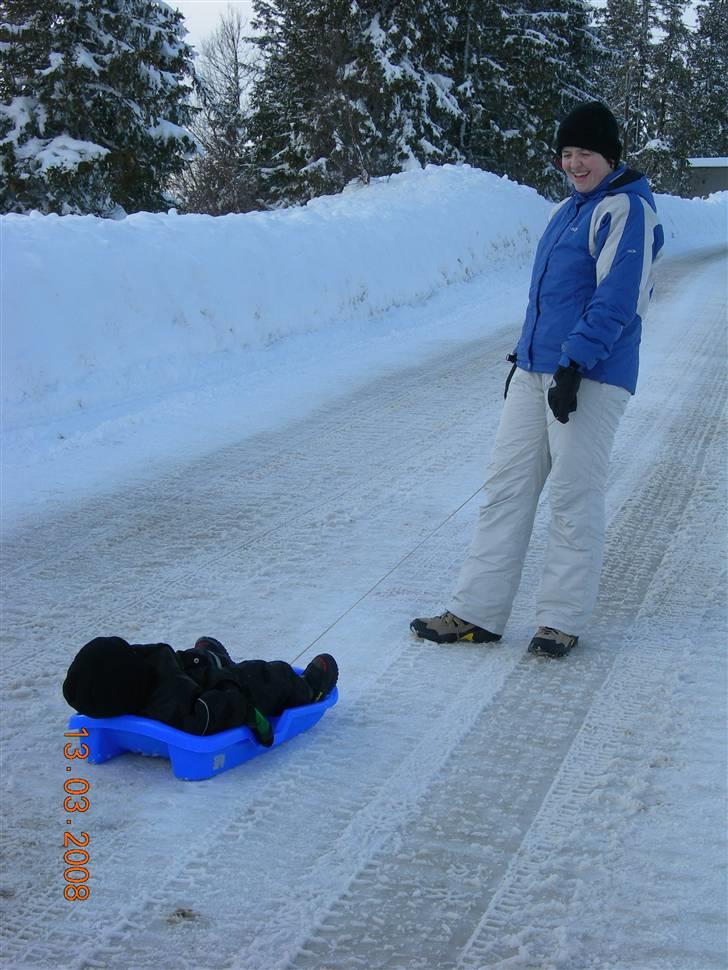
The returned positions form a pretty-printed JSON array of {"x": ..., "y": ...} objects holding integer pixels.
[{"x": 531, "y": 446}]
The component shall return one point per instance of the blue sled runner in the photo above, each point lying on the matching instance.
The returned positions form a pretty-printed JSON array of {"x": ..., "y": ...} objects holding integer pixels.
[{"x": 192, "y": 757}]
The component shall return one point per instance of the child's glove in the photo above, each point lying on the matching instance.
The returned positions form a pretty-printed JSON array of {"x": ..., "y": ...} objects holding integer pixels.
[
  {"x": 562, "y": 393},
  {"x": 260, "y": 726}
]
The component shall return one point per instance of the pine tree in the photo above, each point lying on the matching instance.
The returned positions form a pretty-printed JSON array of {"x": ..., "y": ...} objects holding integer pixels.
[
  {"x": 523, "y": 65},
  {"x": 482, "y": 89},
  {"x": 351, "y": 89},
  {"x": 309, "y": 125},
  {"x": 624, "y": 69},
  {"x": 663, "y": 153},
  {"x": 548, "y": 53},
  {"x": 667, "y": 85},
  {"x": 412, "y": 46},
  {"x": 404, "y": 83},
  {"x": 708, "y": 121},
  {"x": 94, "y": 106}
]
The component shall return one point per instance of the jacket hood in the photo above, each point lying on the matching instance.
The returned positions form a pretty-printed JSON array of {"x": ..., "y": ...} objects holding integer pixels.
[
  {"x": 622, "y": 179},
  {"x": 109, "y": 677}
]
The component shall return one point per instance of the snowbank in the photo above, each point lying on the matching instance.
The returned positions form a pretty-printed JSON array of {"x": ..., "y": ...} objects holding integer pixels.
[
  {"x": 690, "y": 223},
  {"x": 95, "y": 311}
]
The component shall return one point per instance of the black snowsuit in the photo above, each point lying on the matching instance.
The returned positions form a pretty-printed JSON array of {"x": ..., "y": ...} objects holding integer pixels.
[{"x": 202, "y": 690}]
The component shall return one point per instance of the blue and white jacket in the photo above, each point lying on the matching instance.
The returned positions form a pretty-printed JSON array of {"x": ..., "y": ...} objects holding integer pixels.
[{"x": 592, "y": 282}]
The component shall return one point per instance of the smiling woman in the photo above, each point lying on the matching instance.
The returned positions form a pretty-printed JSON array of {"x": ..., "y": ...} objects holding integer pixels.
[
  {"x": 574, "y": 369},
  {"x": 202, "y": 16}
]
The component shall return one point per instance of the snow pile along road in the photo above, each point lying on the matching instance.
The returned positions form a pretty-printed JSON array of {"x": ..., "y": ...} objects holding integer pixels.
[
  {"x": 96, "y": 310},
  {"x": 691, "y": 224},
  {"x": 124, "y": 343}
]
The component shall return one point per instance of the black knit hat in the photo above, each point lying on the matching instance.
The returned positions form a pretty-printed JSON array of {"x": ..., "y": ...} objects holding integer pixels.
[
  {"x": 107, "y": 678},
  {"x": 592, "y": 126}
]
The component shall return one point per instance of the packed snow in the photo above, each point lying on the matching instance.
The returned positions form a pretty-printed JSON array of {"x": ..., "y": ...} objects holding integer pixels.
[{"x": 272, "y": 428}]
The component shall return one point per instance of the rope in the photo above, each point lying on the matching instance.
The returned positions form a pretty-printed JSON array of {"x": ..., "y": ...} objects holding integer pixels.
[{"x": 387, "y": 575}]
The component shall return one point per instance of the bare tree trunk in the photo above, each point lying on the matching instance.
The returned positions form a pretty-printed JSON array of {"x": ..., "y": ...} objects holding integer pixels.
[{"x": 466, "y": 72}]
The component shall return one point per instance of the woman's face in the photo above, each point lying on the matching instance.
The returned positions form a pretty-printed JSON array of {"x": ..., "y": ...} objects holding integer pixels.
[{"x": 584, "y": 169}]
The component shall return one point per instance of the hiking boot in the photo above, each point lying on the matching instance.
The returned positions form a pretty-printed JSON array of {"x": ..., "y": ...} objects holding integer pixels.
[
  {"x": 552, "y": 643},
  {"x": 321, "y": 676},
  {"x": 448, "y": 628}
]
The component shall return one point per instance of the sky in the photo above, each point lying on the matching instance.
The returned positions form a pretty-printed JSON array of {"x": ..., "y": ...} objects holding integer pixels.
[{"x": 201, "y": 16}]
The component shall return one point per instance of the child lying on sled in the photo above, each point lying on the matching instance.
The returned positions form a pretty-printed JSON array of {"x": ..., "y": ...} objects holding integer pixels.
[{"x": 201, "y": 691}]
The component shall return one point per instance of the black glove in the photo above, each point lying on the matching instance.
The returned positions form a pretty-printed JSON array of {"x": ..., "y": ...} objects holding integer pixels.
[
  {"x": 562, "y": 393},
  {"x": 512, "y": 359}
]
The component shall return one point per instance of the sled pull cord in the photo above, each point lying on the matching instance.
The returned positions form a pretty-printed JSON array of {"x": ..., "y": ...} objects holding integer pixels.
[{"x": 387, "y": 574}]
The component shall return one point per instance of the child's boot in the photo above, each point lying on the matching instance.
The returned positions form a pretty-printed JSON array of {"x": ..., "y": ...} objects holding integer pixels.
[
  {"x": 212, "y": 645},
  {"x": 321, "y": 676}
]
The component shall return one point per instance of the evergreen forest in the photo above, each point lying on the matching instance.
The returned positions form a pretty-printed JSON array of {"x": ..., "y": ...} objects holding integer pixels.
[{"x": 105, "y": 109}]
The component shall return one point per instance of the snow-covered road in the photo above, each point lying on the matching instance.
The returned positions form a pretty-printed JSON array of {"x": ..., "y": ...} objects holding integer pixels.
[{"x": 461, "y": 807}]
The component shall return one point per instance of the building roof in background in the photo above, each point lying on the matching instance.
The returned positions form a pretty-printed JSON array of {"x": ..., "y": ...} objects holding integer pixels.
[{"x": 709, "y": 162}]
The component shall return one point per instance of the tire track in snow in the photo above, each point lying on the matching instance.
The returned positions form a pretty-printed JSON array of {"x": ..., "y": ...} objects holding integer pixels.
[
  {"x": 42, "y": 908},
  {"x": 390, "y": 852},
  {"x": 431, "y": 877},
  {"x": 255, "y": 813},
  {"x": 524, "y": 920},
  {"x": 230, "y": 496},
  {"x": 75, "y": 530},
  {"x": 356, "y": 823}
]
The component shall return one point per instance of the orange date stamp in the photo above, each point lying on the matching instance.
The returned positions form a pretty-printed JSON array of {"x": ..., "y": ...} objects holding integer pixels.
[{"x": 75, "y": 803}]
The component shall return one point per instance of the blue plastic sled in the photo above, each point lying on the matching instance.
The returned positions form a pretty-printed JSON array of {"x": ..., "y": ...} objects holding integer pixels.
[{"x": 192, "y": 757}]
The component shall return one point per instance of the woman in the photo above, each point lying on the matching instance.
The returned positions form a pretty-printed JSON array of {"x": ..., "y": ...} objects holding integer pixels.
[{"x": 575, "y": 368}]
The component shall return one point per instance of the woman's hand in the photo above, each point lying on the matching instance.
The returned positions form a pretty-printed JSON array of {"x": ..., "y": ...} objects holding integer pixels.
[{"x": 563, "y": 390}]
